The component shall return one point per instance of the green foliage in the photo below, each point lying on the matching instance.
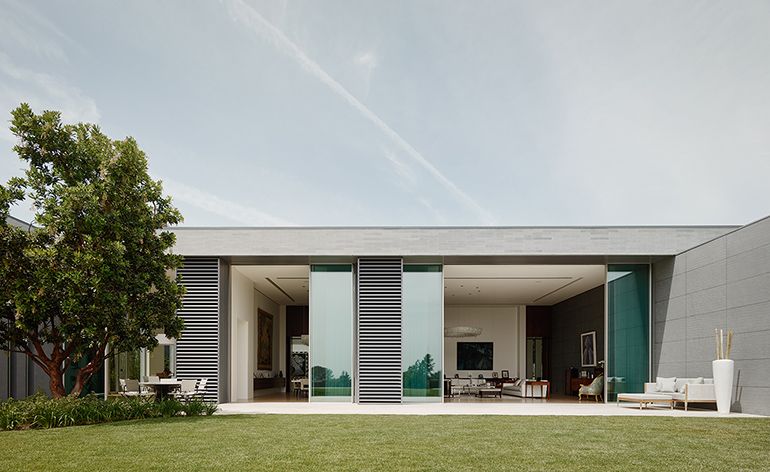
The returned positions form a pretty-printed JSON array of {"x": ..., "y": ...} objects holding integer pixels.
[
  {"x": 40, "y": 411},
  {"x": 95, "y": 270}
]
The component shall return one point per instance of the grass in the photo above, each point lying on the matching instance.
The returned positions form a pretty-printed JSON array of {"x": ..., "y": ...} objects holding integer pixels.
[{"x": 360, "y": 442}]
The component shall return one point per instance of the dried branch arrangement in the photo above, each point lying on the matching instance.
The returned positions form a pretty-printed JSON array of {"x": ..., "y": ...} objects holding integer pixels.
[{"x": 723, "y": 347}]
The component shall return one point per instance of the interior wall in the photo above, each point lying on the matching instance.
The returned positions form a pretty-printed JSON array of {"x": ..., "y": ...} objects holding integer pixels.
[
  {"x": 243, "y": 327},
  {"x": 570, "y": 318},
  {"x": 501, "y": 325}
]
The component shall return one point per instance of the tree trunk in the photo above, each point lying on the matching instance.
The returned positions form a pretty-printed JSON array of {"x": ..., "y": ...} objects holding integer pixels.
[
  {"x": 56, "y": 382},
  {"x": 85, "y": 373}
]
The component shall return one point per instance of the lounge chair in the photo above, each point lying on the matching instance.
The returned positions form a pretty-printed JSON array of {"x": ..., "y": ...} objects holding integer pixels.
[{"x": 595, "y": 389}]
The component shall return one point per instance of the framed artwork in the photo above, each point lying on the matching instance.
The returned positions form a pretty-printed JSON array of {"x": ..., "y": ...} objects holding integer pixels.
[
  {"x": 588, "y": 349},
  {"x": 298, "y": 365},
  {"x": 474, "y": 356},
  {"x": 264, "y": 340},
  {"x": 506, "y": 374}
]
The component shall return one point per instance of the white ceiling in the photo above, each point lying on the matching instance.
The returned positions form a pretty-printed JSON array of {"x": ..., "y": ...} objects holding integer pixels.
[
  {"x": 285, "y": 285},
  {"x": 518, "y": 284},
  {"x": 463, "y": 284}
]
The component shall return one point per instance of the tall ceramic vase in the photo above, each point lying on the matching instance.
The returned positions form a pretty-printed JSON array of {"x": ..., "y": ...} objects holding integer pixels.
[{"x": 723, "y": 383}]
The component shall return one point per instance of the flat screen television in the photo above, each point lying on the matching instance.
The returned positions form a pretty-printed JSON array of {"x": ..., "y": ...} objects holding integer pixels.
[{"x": 474, "y": 356}]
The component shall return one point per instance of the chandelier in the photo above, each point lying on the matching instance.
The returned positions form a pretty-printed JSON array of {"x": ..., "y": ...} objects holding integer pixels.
[{"x": 461, "y": 332}]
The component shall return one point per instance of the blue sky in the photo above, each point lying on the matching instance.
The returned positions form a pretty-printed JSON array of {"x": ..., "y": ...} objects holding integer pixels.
[{"x": 415, "y": 113}]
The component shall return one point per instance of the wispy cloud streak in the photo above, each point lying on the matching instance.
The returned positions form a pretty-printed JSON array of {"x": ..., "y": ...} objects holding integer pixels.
[
  {"x": 251, "y": 18},
  {"x": 232, "y": 211}
]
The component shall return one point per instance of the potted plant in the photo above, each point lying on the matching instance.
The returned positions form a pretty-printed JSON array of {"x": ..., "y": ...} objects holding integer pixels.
[{"x": 723, "y": 368}]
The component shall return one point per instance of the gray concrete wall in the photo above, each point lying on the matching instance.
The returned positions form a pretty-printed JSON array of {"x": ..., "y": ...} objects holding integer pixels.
[
  {"x": 570, "y": 318},
  {"x": 724, "y": 283},
  {"x": 450, "y": 241}
]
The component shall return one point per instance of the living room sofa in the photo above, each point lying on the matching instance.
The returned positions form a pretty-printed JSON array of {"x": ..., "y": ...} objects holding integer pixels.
[
  {"x": 684, "y": 389},
  {"x": 520, "y": 388}
]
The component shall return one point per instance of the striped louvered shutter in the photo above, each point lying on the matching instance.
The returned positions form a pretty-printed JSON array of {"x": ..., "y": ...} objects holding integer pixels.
[
  {"x": 379, "y": 331},
  {"x": 197, "y": 348}
]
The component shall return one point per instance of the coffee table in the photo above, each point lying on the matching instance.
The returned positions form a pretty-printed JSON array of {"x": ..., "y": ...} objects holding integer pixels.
[
  {"x": 496, "y": 392},
  {"x": 645, "y": 399}
]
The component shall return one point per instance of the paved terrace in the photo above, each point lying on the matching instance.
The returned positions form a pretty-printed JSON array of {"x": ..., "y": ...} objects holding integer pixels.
[{"x": 478, "y": 408}]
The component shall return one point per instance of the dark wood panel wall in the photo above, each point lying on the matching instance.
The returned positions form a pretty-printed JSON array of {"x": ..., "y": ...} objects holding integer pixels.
[{"x": 297, "y": 324}]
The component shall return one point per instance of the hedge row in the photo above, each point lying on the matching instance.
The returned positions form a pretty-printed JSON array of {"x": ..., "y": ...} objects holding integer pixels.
[{"x": 40, "y": 411}]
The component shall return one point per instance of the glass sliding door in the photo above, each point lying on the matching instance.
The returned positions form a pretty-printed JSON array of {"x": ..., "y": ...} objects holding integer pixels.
[
  {"x": 331, "y": 332},
  {"x": 422, "y": 321},
  {"x": 628, "y": 328},
  {"x": 125, "y": 365}
]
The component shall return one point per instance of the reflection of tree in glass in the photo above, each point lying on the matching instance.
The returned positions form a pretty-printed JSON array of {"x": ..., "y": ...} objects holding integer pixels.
[
  {"x": 422, "y": 374},
  {"x": 324, "y": 377}
]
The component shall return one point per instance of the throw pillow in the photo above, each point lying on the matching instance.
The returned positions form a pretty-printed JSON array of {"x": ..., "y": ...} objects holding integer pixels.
[
  {"x": 665, "y": 384},
  {"x": 698, "y": 380}
]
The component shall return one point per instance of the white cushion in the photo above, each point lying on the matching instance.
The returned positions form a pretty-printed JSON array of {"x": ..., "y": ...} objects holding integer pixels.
[
  {"x": 665, "y": 384},
  {"x": 708, "y": 381},
  {"x": 698, "y": 380},
  {"x": 680, "y": 383}
]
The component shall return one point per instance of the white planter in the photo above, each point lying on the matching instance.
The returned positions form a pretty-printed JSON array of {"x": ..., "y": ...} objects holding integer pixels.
[{"x": 723, "y": 383}]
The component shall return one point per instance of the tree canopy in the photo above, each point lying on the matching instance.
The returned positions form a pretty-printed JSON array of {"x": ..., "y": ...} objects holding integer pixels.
[{"x": 94, "y": 277}]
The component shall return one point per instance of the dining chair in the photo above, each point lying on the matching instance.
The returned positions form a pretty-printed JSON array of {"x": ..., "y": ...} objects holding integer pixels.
[
  {"x": 200, "y": 390},
  {"x": 130, "y": 388},
  {"x": 187, "y": 390}
]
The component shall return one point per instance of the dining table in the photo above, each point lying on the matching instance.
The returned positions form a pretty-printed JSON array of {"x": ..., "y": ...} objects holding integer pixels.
[{"x": 162, "y": 388}]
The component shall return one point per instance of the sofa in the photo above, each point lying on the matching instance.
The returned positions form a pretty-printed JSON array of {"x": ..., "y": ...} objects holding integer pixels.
[
  {"x": 684, "y": 389},
  {"x": 519, "y": 388}
]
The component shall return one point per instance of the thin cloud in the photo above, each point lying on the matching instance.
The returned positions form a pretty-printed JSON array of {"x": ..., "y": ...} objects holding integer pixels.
[
  {"x": 44, "y": 91},
  {"x": 241, "y": 12},
  {"x": 233, "y": 211}
]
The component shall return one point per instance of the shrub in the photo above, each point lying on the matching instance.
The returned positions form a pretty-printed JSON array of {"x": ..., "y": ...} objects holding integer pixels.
[{"x": 39, "y": 411}]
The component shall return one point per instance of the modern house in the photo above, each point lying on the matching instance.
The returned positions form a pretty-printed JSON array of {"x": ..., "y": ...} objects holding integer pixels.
[{"x": 383, "y": 315}]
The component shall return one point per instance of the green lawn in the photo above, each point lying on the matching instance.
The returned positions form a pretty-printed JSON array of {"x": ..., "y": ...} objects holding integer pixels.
[{"x": 357, "y": 442}]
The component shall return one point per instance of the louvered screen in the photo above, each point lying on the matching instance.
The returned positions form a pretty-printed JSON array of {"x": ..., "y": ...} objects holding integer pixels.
[
  {"x": 379, "y": 330},
  {"x": 197, "y": 348}
]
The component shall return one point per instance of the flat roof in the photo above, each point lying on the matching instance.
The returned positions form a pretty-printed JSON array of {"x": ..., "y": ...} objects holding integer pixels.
[{"x": 444, "y": 241}]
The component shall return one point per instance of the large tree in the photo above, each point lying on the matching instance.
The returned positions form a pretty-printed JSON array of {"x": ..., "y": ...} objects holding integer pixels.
[{"x": 94, "y": 277}]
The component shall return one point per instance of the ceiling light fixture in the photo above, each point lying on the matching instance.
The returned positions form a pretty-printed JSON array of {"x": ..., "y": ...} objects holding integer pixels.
[{"x": 462, "y": 332}]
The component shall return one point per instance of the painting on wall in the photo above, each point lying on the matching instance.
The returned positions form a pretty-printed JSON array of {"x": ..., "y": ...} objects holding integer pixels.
[
  {"x": 588, "y": 349},
  {"x": 298, "y": 365},
  {"x": 264, "y": 340},
  {"x": 474, "y": 356}
]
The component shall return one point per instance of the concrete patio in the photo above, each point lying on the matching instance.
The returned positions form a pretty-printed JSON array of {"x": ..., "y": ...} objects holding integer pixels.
[{"x": 514, "y": 409}]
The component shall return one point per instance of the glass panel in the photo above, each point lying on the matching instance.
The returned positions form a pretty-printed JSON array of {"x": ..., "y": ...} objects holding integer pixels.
[
  {"x": 628, "y": 324},
  {"x": 161, "y": 361},
  {"x": 331, "y": 331},
  {"x": 422, "y": 313},
  {"x": 534, "y": 358},
  {"x": 124, "y": 366}
]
